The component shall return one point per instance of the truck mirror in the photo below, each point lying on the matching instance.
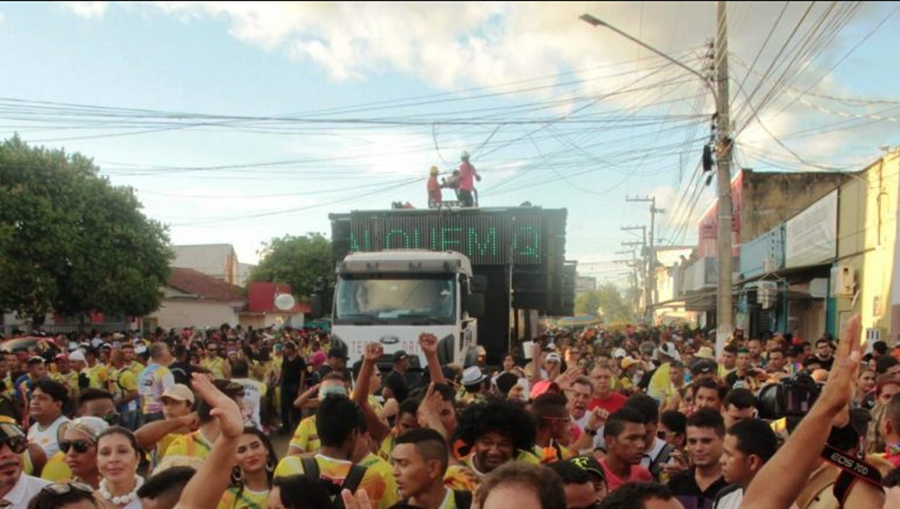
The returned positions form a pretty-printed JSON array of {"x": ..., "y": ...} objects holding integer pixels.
[
  {"x": 315, "y": 304},
  {"x": 321, "y": 285},
  {"x": 475, "y": 305}
]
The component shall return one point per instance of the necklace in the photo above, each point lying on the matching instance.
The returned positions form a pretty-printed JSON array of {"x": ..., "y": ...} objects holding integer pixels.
[{"x": 124, "y": 499}]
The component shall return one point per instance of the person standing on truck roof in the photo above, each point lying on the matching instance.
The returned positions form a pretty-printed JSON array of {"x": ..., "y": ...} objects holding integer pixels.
[
  {"x": 434, "y": 189},
  {"x": 466, "y": 184}
]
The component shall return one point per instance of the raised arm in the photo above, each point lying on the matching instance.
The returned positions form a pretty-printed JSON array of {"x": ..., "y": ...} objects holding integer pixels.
[
  {"x": 204, "y": 490},
  {"x": 377, "y": 428},
  {"x": 151, "y": 433},
  {"x": 782, "y": 479},
  {"x": 428, "y": 343},
  {"x": 308, "y": 399}
]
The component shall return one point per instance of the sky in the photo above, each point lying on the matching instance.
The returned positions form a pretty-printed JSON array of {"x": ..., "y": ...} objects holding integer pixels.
[{"x": 240, "y": 122}]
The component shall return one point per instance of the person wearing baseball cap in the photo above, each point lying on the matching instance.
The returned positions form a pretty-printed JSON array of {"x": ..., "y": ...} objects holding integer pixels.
[
  {"x": 64, "y": 374},
  {"x": 199, "y": 444},
  {"x": 660, "y": 382},
  {"x": 177, "y": 403},
  {"x": 589, "y": 464},
  {"x": 395, "y": 385}
]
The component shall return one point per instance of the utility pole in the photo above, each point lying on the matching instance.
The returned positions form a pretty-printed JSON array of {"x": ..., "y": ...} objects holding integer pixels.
[
  {"x": 635, "y": 299},
  {"x": 651, "y": 254},
  {"x": 723, "y": 159},
  {"x": 723, "y": 181},
  {"x": 644, "y": 266}
]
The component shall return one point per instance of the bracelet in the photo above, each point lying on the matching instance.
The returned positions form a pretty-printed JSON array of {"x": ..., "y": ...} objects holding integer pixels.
[{"x": 591, "y": 432}]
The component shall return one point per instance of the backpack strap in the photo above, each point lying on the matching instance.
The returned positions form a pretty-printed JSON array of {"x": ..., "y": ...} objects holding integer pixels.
[
  {"x": 354, "y": 478},
  {"x": 463, "y": 499},
  {"x": 662, "y": 458},
  {"x": 351, "y": 483},
  {"x": 310, "y": 466}
]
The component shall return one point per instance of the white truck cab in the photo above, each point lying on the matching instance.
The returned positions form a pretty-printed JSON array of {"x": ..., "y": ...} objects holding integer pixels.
[{"x": 393, "y": 296}]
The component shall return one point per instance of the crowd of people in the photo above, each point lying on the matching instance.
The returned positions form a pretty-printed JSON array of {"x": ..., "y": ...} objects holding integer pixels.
[{"x": 633, "y": 418}]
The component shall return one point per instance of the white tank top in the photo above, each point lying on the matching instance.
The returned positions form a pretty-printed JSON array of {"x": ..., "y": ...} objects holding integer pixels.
[{"x": 47, "y": 437}]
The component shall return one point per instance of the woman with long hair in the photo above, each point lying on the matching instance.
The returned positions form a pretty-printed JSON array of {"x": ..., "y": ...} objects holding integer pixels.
[
  {"x": 251, "y": 478},
  {"x": 118, "y": 457}
]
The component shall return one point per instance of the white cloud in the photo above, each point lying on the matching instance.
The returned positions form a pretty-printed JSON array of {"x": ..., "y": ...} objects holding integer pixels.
[
  {"x": 2, "y": 18},
  {"x": 88, "y": 10}
]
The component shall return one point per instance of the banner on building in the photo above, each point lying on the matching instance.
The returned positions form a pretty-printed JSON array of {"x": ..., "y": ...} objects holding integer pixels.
[{"x": 811, "y": 236}]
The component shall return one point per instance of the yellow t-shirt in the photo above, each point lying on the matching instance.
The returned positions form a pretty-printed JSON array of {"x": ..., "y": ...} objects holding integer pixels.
[
  {"x": 335, "y": 470},
  {"x": 455, "y": 479},
  {"x": 162, "y": 447},
  {"x": 56, "y": 469},
  {"x": 69, "y": 380},
  {"x": 98, "y": 375},
  {"x": 136, "y": 368},
  {"x": 306, "y": 438},
  {"x": 387, "y": 445},
  {"x": 386, "y": 471},
  {"x": 660, "y": 384},
  {"x": 556, "y": 452},
  {"x": 121, "y": 383},
  {"x": 215, "y": 366},
  {"x": 247, "y": 499},
  {"x": 194, "y": 445}
]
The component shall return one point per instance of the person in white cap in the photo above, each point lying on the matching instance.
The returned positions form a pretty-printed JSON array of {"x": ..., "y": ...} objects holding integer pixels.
[
  {"x": 475, "y": 384},
  {"x": 178, "y": 404},
  {"x": 660, "y": 382}
]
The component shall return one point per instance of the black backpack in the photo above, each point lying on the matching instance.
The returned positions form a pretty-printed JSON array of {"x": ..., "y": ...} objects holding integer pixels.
[{"x": 351, "y": 482}]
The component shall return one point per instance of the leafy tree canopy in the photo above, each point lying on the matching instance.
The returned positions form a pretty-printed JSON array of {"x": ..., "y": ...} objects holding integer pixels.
[
  {"x": 72, "y": 243},
  {"x": 295, "y": 260}
]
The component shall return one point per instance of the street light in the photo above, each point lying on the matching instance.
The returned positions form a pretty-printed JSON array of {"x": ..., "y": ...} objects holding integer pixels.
[
  {"x": 593, "y": 21},
  {"x": 723, "y": 162}
]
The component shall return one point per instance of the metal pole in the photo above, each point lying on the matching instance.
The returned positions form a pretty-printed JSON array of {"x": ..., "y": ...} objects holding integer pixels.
[{"x": 723, "y": 181}]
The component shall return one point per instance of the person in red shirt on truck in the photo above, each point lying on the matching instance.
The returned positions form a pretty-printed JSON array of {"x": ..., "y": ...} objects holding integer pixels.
[
  {"x": 434, "y": 189},
  {"x": 467, "y": 173}
]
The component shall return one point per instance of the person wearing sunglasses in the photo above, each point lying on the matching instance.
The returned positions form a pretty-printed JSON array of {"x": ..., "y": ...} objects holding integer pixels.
[
  {"x": 79, "y": 444},
  {"x": 68, "y": 495},
  {"x": 16, "y": 488}
]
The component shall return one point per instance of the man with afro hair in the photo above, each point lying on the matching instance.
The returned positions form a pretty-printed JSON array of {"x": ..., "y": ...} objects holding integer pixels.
[{"x": 489, "y": 435}]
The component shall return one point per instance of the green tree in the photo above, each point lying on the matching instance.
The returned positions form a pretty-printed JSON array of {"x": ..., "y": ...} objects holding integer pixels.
[
  {"x": 587, "y": 303},
  {"x": 295, "y": 260},
  {"x": 606, "y": 298},
  {"x": 72, "y": 243}
]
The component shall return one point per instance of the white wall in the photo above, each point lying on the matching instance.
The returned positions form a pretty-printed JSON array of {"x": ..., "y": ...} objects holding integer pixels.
[
  {"x": 216, "y": 260},
  {"x": 176, "y": 314}
]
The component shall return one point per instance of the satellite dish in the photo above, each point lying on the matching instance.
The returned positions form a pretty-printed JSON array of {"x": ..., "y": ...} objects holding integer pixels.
[{"x": 284, "y": 302}]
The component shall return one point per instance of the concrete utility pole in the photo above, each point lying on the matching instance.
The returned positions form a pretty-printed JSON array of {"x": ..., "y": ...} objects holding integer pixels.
[
  {"x": 723, "y": 160},
  {"x": 723, "y": 181},
  {"x": 644, "y": 265},
  {"x": 633, "y": 263},
  {"x": 651, "y": 253}
]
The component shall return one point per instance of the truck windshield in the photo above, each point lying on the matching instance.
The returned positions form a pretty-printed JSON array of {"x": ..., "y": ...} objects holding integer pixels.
[{"x": 401, "y": 299}]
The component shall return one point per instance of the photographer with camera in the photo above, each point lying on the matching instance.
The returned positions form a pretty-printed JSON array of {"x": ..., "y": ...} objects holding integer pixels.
[{"x": 783, "y": 479}]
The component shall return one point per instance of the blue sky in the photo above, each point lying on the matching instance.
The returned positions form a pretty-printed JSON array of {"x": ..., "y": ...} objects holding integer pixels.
[{"x": 554, "y": 111}]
